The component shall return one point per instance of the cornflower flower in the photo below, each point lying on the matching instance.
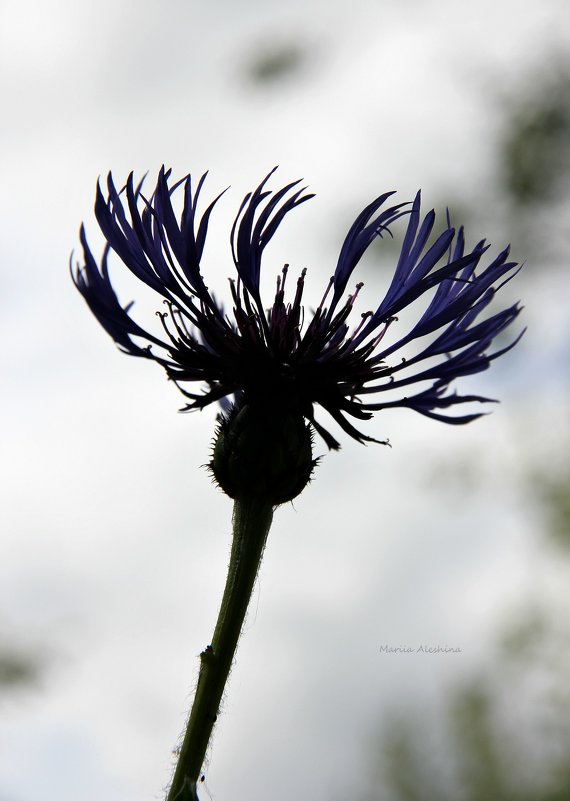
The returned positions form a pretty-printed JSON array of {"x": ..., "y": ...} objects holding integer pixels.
[{"x": 273, "y": 369}]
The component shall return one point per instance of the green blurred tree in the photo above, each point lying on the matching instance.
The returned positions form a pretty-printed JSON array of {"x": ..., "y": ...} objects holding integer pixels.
[
  {"x": 536, "y": 145},
  {"x": 504, "y": 735}
]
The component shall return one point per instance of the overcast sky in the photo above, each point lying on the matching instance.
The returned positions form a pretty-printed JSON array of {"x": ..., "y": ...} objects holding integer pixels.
[{"x": 114, "y": 541}]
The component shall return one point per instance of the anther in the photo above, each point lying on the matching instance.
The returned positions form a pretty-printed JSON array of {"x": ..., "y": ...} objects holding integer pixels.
[
  {"x": 383, "y": 331},
  {"x": 364, "y": 316},
  {"x": 352, "y": 298}
]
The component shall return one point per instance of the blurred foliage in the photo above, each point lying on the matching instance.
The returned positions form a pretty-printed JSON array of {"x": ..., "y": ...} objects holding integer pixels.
[
  {"x": 479, "y": 759},
  {"x": 536, "y": 144},
  {"x": 16, "y": 670},
  {"x": 276, "y": 62},
  {"x": 503, "y": 734},
  {"x": 553, "y": 492}
]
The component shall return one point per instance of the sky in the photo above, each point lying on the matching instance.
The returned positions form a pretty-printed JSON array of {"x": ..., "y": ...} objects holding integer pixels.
[{"x": 114, "y": 540}]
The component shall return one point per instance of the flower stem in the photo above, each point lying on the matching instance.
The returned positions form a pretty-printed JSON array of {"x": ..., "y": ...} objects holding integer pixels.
[{"x": 251, "y": 522}]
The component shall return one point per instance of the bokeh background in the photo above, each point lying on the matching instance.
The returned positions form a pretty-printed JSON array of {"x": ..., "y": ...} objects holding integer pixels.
[{"x": 114, "y": 542}]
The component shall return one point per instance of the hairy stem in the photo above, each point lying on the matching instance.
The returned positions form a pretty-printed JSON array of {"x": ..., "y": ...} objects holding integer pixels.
[{"x": 251, "y": 522}]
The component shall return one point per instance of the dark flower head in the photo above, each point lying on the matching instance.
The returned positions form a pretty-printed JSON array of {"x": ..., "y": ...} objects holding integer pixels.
[{"x": 283, "y": 361}]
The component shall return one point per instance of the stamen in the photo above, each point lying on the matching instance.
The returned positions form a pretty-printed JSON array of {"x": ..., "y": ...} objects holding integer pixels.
[
  {"x": 352, "y": 298},
  {"x": 162, "y": 316},
  {"x": 380, "y": 336},
  {"x": 299, "y": 292},
  {"x": 180, "y": 322},
  {"x": 284, "y": 273},
  {"x": 328, "y": 289},
  {"x": 235, "y": 295},
  {"x": 278, "y": 306},
  {"x": 364, "y": 316}
]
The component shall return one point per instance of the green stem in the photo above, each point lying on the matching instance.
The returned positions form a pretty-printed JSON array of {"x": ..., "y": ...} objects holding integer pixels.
[{"x": 251, "y": 520}]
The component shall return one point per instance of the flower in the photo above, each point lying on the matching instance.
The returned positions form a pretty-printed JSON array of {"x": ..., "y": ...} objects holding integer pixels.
[{"x": 283, "y": 361}]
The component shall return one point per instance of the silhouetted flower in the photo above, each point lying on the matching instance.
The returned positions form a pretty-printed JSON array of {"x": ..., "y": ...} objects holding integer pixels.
[{"x": 283, "y": 360}]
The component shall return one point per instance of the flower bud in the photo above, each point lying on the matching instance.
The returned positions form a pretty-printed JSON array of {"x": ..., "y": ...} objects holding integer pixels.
[{"x": 262, "y": 454}]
